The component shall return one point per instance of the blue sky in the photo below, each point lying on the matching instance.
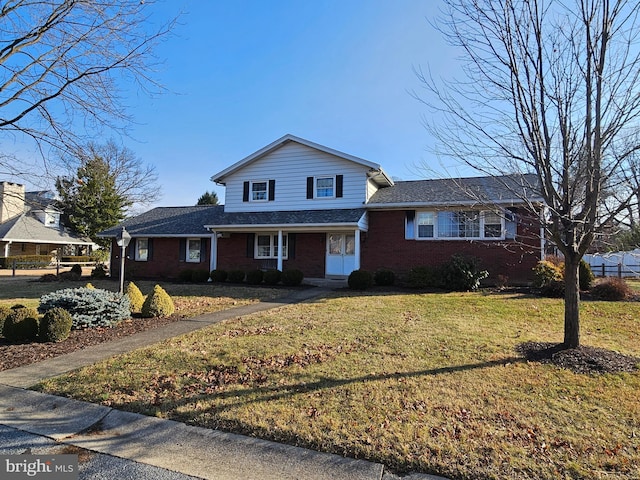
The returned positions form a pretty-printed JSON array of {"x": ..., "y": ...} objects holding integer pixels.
[{"x": 241, "y": 74}]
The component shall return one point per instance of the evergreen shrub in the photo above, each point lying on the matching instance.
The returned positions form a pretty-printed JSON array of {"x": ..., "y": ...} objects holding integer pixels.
[
  {"x": 546, "y": 272},
  {"x": 424, "y": 277},
  {"x": 88, "y": 307},
  {"x": 586, "y": 276},
  {"x": 21, "y": 324},
  {"x": 77, "y": 269},
  {"x": 200, "y": 276},
  {"x": 136, "y": 298},
  {"x": 218, "y": 275},
  {"x": 55, "y": 325},
  {"x": 384, "y": 277},
  {"x": 292, "y": 277},
  {"x": 99, "y": 271},
  {"x": 360, "y": 280},
  {"x": 236, "y": 276},
  {"x": 553, "y": 289},
  {"x": 186, "y": 275},
  {"x": 462, "y": 273},
  {"x": 255, "y": 277},
  {"x": 158, "y": 304},
  {"x": 4, "y": 312},
  {"x": 272, "y": 277}
]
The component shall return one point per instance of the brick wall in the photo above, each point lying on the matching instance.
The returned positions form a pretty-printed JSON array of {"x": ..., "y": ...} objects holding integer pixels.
[{"x": 384, "y": 246}]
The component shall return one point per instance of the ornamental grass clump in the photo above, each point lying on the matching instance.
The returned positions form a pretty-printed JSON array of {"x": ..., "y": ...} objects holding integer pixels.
[
  {"x": 55, "y": 325},
  {"x": 21, "y": 324},
  {"x": 158, "y": 304},
  {"x": 136, "y": 298},
  {"x": 88, "y": 307}
]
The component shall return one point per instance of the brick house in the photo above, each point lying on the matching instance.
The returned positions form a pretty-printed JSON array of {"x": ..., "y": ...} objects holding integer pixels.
[{"x": 298, "y": 204}]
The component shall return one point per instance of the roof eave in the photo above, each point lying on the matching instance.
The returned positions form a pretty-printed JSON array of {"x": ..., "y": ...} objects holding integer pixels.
[{"x": 466, "y": 203}]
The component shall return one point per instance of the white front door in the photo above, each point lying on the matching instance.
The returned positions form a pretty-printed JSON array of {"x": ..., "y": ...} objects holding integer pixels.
[{"x": 341, "y": 253}]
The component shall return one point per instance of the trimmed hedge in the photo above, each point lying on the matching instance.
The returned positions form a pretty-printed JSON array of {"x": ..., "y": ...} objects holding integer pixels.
[
  {"x": 255, "y": 277},
  {"x": 384, "y": 277},
  {"x": 200, "y": 276},
  {"x": 218, "y": 275},
  {"x": 292, "y": 278},
  {"x": 236, "y": 276},
  {"x": 360, "y": 280},
  {"x": 55, "y": 325},
  {"x": 25, "y": 261},
  {"x": 136, "y": 298},
  {"x": 88, "y": 307},
  {"x": 158, "y": 304},
  {"x": 21, "y": 324},
  {"x": 272, "y": 277}
]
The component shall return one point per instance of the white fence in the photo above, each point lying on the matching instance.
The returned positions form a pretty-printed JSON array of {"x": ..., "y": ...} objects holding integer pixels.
[{"x": 615, "y": 264}]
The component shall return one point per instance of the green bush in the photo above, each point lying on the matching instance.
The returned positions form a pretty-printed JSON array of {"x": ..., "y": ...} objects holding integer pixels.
[
  {"x": 292, "y": 277},
  {"x": 272, "y": 277},
  {"x": 384, "y": 277},
  {"x": 553, "y": 289},
  {"x": 186, "y": 275},
  {"x": 462, "y": 273},
  {"x": 77, "y": 269},
  {"x": 136, "y": 298},
  {"x": 546, "y": 272},
  {"x": 424, "y": 277},
  {"x": 55, "y": 325},
  {"x": 4, "y": 311},
  {"x": 69, "y": 275},
  {"x": 236, "y": 276},
  {"x": 24, "y": 262},
  {"x": 49, "y": 277},
  {"x": 218, "y": 275},
  {"x": 586, "y": 276},
  {"x": 200, "y": 276},
  {"x": 21, "y": 324},
  {"x": 360, "y": 280},
  {"x": 255, "y": 277},
  {"x": 158, "y": 304},
  {"x": 99, "y": 271},
  {"x": 89, "y": 307},
  {"x": 611, "y": 289}
]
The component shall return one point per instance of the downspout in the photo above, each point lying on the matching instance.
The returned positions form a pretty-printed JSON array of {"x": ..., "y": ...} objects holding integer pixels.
[{"x": 7, "y": 248}]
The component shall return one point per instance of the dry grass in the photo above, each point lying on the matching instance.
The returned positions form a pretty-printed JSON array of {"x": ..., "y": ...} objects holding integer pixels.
[{"x": 425, "y": 383}]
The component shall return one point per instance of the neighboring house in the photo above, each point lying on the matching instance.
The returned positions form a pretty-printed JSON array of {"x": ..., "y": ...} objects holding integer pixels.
[
  {"x": 30, "y": 225},
  {"x": 298, "y": 204}
]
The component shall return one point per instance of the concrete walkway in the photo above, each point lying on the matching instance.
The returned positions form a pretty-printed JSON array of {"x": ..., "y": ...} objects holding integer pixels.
[{"x": 169, "y": 445}]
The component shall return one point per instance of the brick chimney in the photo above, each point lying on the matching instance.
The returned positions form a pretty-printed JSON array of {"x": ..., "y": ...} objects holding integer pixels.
[{"x": 11, "y": 200}]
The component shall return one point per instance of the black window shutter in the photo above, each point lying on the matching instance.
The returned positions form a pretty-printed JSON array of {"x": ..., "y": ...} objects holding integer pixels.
[
  {"x": 245, "y": 192},
  {"x": 339, "y": 181},
  {"x": 309, "y": 187},
  {"x": 272, "y": 190},
  {"x": 131, "y": 253},
  {"x": 150, "y": 249},
  {"x": 251, "y": 238},
  {"x": 291, "y": 245},
  {"x": 182, "y": 255},
  {"x": 411, "y": 215},
  {"x": 203, "y": 249}
]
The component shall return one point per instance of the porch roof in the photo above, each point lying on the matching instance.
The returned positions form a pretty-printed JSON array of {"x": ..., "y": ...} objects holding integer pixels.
[{"x": 299, "y": 219}]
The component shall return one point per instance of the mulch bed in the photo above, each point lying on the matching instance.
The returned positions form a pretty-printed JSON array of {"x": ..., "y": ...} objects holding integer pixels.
[
  {"x": 583, "y": 359},
  {"x": 14, "y": 355}
]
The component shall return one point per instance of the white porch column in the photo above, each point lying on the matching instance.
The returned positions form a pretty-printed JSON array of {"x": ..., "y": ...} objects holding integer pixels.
[
  {"x": 7, "y": 249},
  {"x": 279, "y": 267},
  {"x": 213, "y": 255},
  {"x": 356, "y": 251}
]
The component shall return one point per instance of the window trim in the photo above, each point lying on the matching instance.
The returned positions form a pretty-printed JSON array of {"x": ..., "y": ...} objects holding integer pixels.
[
  {"x": 187, "y": 258},
  {"x": 333, "y": 186},
  {"x": 436, "y": 233},
  {"x": 266, "y": 191},
  {"x": 273, "y": 240},
  {"x": 137, "y": 256}
]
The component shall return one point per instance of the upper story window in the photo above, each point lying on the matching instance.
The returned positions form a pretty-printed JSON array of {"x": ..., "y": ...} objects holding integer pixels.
[
  {"x": 455, "y": 224},
  {"x": 259, "y": 191},
  {"x": 51, "y": 219},
  {"x": 325, "y": 186}
]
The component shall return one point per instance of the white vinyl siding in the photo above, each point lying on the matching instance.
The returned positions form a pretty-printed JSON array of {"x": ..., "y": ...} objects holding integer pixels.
[{"x": 290, "y": 166}]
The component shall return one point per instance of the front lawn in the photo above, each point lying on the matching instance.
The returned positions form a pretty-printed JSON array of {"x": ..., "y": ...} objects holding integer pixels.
[{"x": 419, "y": 382}]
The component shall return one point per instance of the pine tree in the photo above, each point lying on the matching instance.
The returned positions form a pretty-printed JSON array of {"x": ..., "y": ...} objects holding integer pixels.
[{"x": 208, "y": 199}]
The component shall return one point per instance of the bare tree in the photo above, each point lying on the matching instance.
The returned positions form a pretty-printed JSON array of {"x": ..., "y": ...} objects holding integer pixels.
[
  {"x": 134, "y": 180},
  {"x": 550, "y": 88},
  {"x": 63, "y": 64}
]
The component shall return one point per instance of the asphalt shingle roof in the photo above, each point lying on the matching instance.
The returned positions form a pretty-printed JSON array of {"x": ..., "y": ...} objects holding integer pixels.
[
  {"x": 27, "y": 228},
  {"x": 458, "y": 191}
]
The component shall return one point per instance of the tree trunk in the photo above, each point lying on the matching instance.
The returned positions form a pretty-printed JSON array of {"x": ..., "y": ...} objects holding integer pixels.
[{"x": 571, "y": 303}]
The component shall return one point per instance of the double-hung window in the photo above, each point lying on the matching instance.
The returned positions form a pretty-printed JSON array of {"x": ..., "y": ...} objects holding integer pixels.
[
  {"x": 142, "y": 249},
  {"x": 325, "y": 187},
  {"x": 259, "y": 191},
  {"x": 426, "y": 224},
  {"x": 267, "y": 246},
  {"x": 193, "y": 250},
  {"x": 492, "y": 224}
]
